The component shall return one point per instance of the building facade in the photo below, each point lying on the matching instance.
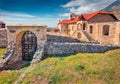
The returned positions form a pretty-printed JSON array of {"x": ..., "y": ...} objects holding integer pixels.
[{"x": 99, "y": 26}]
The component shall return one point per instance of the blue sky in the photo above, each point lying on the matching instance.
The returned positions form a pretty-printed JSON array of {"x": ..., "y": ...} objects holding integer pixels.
[{"x": 46, "y": 11}]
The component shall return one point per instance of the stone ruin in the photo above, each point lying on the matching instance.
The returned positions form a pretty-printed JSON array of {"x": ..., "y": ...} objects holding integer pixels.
[
  {"x": 24, "y": 44},
  {"x": 22, "y": 39}
]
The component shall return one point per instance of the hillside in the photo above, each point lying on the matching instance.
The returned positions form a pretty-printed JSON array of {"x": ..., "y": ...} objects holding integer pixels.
[
  {"x": 75, "y": 69},
  {"x": 115, "y": 8}
]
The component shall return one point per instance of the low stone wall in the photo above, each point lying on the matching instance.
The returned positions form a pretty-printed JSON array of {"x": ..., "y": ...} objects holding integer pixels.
[{"x": 57, "y": 49}]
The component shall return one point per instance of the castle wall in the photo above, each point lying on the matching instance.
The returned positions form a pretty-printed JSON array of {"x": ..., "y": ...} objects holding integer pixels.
[
  {"x": 60, "y": 49},
  {"x": 3, "y": 38}
]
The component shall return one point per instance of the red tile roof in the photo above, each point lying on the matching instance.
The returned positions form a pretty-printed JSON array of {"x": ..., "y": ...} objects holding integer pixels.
[
  {"x": 73, "y": 20},
  {"x": 89, "y": 16},
  {"x": 85, "y": 16},
  {"x": 55, "y": 28}
]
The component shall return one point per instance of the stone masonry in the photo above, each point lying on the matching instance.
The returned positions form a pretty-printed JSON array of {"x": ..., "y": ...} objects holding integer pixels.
[
  {"x": 14, "y": 52},
  {"x": 64, "y": 49},
  {"x": 3, "y": 38}
]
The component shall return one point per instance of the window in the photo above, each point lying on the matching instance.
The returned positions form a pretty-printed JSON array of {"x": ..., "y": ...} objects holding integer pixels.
[
  {"x": 106, "y": 30},
  {"x": 12, "y": 31},
  {"x": 91, "y": 29},
  {"x": 84, "y": 25},
  {"x": 3, "y": 25},
  {"x": 78, "y": 26}
]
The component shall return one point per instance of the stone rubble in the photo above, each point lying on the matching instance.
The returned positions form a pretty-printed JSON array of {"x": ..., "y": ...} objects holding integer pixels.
[{"x": 7, "y": 55}]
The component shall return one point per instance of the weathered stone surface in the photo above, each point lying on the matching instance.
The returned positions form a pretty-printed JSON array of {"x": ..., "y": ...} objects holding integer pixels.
[
  {"x": 3, "y": 38},
  {"x": 14, "y": 50},
  {"x": 56, "y": 49},
  {"x": 7, "y": 56},
  {"x": 39, "y": 54}
]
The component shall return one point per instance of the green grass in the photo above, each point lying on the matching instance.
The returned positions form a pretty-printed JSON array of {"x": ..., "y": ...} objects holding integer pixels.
[
  {"x": 8, "y": 77},
  {"x": 2, "y": 50},
  {"x": 82, "y": 68},
  {"x": 77, "y": 69}
]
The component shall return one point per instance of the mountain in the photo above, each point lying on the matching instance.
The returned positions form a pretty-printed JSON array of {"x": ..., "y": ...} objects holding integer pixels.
[
  {"x": 114, "y": 4},
  {"x": 114, "y": 8}
]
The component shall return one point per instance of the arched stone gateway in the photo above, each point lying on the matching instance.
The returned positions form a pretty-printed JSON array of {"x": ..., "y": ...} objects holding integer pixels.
[
  {"x": 25, "y": 43},
  {"x": 29, "y": 45}
]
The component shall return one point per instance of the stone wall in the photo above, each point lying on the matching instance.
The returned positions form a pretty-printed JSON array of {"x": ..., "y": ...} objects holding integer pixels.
[
  {"x": 97, "y": 35},
  {"x": 55, "y": 38},
  {"x": 57, "y": 49},
  {"x": 3, "y": 38}
]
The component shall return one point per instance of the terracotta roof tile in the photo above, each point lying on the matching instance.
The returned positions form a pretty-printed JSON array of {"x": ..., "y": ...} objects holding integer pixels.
[
  {"x": 89, "y": 16},
  {"x": 73, "y": 20},
  {"x": 85, "y": 16}
]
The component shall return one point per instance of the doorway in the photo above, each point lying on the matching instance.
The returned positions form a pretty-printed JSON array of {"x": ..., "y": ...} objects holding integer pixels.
[{"x": 29, "y": 45}]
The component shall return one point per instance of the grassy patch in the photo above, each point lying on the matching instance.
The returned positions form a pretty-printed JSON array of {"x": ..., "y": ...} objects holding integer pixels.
[
  {"x": 8, "y": 77},
  {"x": 2, "y": 50},
  {"x": 79, "y": 67},
  {"x": 82, "y": 68}
]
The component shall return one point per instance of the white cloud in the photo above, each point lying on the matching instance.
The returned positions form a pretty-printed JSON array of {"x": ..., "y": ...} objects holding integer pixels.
[
  {"x": 76, "y": 3},
  {"x": 86, "y": 6},
  {"x": 64, "y": 15},
  {"x": 22, "y": 18}
]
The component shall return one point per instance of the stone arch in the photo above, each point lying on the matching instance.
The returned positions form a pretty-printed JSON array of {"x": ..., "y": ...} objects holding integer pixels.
[{"x": 79, "y": 26}]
